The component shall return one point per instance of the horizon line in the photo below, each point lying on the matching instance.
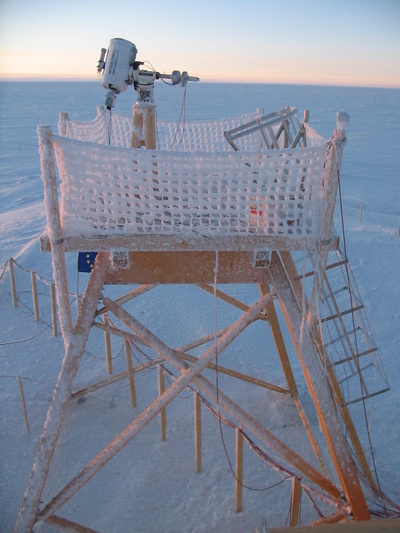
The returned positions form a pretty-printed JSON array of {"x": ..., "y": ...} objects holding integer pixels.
[{"x": 55, "y": 79}]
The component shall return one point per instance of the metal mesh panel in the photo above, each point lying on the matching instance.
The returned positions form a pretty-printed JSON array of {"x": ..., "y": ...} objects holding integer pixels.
[{"x": 115, "y": 191}]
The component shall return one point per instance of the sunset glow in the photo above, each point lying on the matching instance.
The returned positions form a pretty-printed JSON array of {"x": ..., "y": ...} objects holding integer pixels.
[{"x": 260, "y": 41}]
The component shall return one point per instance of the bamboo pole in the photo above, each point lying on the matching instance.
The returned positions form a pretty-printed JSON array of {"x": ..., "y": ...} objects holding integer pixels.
[
  {"x": 161, "y": 390},
  {"x": 181, "y": 352},
  {"x": 62, "y": 393},
  {"x": 53, "y": 309},
  {"x": 361, "y": 208},
  {"x": 21, "y": 390},
  {"x": 244, "y": 418},
  {"x": 239, "y": 471},
  {"x": 131, "y": 374},
  {"x": 13, "y": 287},
  {"x": 35, "y": 296},
  {"x": 107, "y": 341},
  {"x": 197, "y": 431},
  {"x": 188, "y": 375},
  {"x": 295, "y": 502}
]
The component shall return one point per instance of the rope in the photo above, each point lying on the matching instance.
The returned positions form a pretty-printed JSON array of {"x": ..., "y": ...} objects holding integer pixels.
[{"x": 44, "y": 280}]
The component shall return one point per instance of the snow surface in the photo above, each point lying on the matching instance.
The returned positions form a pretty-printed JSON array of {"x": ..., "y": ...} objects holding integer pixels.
[{"x": 162, "y": 490}]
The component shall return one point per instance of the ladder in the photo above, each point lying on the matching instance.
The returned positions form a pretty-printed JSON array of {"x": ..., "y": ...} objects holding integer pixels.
[{"x": 349, "y": 345}]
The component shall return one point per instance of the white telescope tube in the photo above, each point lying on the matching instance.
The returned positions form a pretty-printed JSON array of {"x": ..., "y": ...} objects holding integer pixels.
[{"x": 120, "y": 57}]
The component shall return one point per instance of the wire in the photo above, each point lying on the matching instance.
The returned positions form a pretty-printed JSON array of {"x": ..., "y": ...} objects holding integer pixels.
[
  {"x": 218, "y": 412},
  {"x": 3, "y": 269},
  {"x": 355, "y": 339},
  {"x": 28, "y": 379},
  {"x": 27, "y": 339},
  {"x": 109, "y": 128},
  {"x": 183, "y": 113}
]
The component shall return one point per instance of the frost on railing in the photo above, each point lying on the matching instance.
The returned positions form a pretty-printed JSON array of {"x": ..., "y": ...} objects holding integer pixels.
[
  {"x": 107, "y": 190},
  {"x": 202, "y": 136},
  {"x": 203, "y": 189},
  {"x": 115, "y": 129},
  {"x": 93, "y": 131}
]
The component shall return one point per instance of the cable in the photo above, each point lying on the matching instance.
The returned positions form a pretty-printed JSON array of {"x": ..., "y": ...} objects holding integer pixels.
[
  {"x": 355, "y": 338},
  {"x": 218, "y": 412},
  {"x": 109, "y": 128},
  {"x": 3, "y": 269},
  {"x": 183, "y": 112},
  {"x": 27, "y": 339}
]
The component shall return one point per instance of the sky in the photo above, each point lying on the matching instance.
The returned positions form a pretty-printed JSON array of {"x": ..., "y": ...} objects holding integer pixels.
[{"x": 327, "y": 42}]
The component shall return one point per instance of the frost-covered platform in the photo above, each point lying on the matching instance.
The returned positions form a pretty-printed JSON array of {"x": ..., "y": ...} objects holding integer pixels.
[
  {"x": 200, "y": 214},
  {"x": 115, "y": 197}
]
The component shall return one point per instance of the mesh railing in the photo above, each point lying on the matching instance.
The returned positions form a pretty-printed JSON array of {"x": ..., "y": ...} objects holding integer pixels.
[
  {"x": 108, "y": 190},
  {"x": 93, "y": 131},
  {"x": 115, "y": 129}
]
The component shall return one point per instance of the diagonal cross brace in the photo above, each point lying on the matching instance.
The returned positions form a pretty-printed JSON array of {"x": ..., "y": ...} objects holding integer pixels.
[
  {"x": 62, "y": 395},
  {"x": 319, "y": 390},
  {"x": 188, "y": 374}
]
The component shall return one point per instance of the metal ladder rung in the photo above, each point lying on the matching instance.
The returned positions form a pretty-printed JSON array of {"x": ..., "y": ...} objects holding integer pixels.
[
  {"x": 312, "y": 272},
  {"x": 352, "y": 310},
  {"x": 341, "y": 337},
  {"x": 366, "y": 396},
  {"x": 356, "y": 356},
  {"x": 337, "y": 291},
  {"x": 356, "y": 373}
]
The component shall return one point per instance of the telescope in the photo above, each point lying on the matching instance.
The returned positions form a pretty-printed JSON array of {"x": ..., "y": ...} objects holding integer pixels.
[{"x": 119, "y": 69}]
